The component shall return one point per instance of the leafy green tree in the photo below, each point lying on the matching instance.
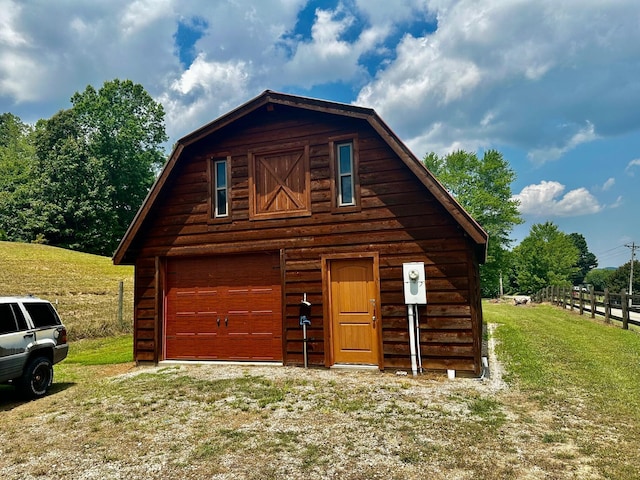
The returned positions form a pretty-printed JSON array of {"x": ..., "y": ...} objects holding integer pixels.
[
  {"x": 70, "y": 206},
  {"x": 619, "y": 279},
  {"x": 17, "y": 155},
  {"x": 482, "y": 185},
  {"x": 546, "y": 257},
  {"x": 95, "y": 165},
  {"x": 587, "y": 261},
  {"x": 599, "y": 278}
]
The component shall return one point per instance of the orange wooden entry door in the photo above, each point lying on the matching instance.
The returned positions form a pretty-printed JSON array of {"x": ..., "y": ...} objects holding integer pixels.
[
  {"x": 224, "y": 308},
  {"x": 353, "y": 309}
]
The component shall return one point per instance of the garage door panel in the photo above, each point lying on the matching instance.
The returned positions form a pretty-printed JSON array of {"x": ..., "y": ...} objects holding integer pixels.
[
  {"x": 190, "y": 347},
  {"x": 243, "y": 290},
  {"x": 262, "y": 322}
]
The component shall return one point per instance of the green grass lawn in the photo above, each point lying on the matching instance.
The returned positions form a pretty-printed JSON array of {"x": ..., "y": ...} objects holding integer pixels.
[
  {"x": 583, "y": 367},
  {"x": 569, "y": 411},
  {"x": 101, "y": 351}
]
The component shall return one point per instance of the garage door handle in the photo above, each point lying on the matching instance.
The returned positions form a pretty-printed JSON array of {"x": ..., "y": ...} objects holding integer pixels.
[
  {"x": 218, "y": 321},
  {"x": 226, "y": 322}
]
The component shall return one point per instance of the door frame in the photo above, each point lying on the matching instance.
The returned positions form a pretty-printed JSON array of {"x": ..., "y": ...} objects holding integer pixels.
[{"x": 326, "y": 301}]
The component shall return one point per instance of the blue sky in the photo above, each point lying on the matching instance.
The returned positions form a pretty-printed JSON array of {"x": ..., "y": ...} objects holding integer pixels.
[{"x": 555, "y": 86}]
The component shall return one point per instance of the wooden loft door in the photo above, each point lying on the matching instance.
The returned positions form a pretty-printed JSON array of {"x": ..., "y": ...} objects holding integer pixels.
[{"x": 280, "y": 182}]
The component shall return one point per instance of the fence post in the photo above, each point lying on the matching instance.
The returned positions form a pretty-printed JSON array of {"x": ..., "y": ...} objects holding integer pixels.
[
  {"x": 607, "y": 306},
  {"x": 625, "y": 309},
  {"x": 581, "y": 301},
  {"x": 592, "y": 295},
  {"x": 121, "y": 304}
]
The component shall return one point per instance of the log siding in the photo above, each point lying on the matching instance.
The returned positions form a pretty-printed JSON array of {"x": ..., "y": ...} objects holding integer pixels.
[{"x": 396, "y": 218}]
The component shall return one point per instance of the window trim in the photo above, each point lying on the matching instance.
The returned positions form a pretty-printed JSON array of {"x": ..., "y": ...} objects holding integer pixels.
[
  {"x": 336, "y": 187},
  {"x": 212, "y": 167}
]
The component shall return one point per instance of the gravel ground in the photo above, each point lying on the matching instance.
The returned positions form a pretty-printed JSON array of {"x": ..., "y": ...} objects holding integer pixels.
[{"x": 262, "y": 422}]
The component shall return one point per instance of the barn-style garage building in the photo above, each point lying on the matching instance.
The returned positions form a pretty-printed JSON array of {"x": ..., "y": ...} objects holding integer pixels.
[{"x": 287, "y": 197}]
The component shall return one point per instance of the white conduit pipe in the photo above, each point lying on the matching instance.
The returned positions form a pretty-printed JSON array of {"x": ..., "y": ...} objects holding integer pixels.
[
  {"x": 412, "y": 340},
  {"x": 418, "y": 339}
]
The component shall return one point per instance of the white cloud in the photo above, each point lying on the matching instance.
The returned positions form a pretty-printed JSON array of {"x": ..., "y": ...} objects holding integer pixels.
[
  {"x": 545, "y": 199},
  {"x": 20, "y": 78},
  {"x": 584, "y": 135},
  {"x": 9, "y": 34},
  {"x": 608, "y": 184},
  {"x": 142, "y": 13},
  {"x": 544, "y": 76},
  {"x": 325, "y": 57},
  {"x": 523, "y": 74},
  {"x": 619, "y": 202},
  {"x": 206, "y": 90},
  {"x": 206, "y": 75},
  {"x": 630, "y": 166}
]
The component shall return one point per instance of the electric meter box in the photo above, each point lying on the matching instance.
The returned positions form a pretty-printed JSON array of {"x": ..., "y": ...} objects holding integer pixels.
[{"x": 414, "y": 279}]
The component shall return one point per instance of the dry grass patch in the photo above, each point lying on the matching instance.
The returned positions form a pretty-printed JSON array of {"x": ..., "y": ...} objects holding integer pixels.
[
  {"x": 83, "y": 287},
  {"x": 286, "y": 422}
]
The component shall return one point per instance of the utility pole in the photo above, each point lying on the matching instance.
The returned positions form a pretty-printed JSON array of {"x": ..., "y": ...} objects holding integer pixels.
[{"x": 633, "y": 247}]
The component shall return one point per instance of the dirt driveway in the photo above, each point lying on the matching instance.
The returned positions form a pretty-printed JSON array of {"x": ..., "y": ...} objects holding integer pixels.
[{"x": 247, "y": 422}]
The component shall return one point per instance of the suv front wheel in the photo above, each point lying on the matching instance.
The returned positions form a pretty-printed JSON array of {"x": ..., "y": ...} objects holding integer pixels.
[{"x": 37, "y": 378}]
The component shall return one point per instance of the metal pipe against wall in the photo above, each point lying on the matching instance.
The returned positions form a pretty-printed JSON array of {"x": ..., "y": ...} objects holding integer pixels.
[
  {"x": 304, "y": 335},
  {"x": 304, "y": 343},
  {"x": 412, "y": 339},
  {"x": 418, "y": 338}
]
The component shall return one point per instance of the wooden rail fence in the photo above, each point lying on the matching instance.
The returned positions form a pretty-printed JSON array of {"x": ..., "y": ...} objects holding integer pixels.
[{"x": 620, "y": 307}]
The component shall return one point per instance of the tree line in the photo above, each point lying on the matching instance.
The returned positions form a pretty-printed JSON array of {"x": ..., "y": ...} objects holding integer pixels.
[
  {"x": 76, "y": 181},
  {"x": 547, "y": 256}
]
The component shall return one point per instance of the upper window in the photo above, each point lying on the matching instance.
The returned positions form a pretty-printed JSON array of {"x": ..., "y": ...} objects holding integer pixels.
[
  {"x": 220, "y": 189},
  {"x": 345, "y": 184},
  {"x": 345, "y": 174}
]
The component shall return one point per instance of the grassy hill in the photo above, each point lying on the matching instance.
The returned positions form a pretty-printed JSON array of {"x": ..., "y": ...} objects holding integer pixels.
[{"x": 83, "y": 287}]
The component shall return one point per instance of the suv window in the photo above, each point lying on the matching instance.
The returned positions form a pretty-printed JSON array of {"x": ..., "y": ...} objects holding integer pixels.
[
  {"x": 11, "y": 318},
  {"x": 7, "y": 319},
  {"x": 42, "y": 314}
]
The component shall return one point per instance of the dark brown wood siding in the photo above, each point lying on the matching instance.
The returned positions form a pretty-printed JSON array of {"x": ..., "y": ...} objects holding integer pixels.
[{"x": 399, "y": 219}]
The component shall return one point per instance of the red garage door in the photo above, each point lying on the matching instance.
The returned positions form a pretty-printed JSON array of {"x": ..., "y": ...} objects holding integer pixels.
[{"x": 224, "y": 308}]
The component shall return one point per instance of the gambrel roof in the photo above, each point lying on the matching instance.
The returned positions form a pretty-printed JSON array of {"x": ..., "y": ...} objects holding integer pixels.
[{"x": 471, "y": 228}]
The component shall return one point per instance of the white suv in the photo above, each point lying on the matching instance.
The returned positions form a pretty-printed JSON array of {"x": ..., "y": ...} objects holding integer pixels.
[{"x": 32, "y": 339}]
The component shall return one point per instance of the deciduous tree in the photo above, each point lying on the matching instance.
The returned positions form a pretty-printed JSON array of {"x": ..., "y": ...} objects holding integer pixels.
[
  {"x": 17, "y": 156},
  {"x": 619, "y": 279},
  {"x": 587, "y": 261},
  {"x": 599, "y": 278},
  {"x": 482, "y": 185},
  {"x": 95, "y": 165},
  {"x": 546, "y": 257}
]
